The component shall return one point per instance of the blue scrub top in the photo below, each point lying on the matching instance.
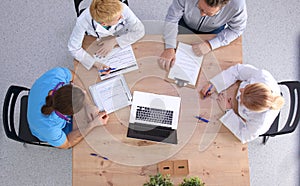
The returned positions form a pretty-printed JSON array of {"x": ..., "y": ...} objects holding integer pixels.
[{"x": 48, "y": 128}]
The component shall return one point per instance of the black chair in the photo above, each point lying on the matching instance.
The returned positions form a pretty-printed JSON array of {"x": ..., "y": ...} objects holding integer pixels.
[
  {"x": 293, "y": 116},
  {"x": 14, "y": 94},
  {"x": 77, "y": 3}
]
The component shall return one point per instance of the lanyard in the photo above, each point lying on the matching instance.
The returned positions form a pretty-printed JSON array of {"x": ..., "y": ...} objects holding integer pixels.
[{"x": 68, "y": 120}]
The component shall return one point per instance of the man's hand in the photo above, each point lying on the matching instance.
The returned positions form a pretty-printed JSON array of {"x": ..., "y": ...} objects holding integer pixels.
[
  {"x": 100, "y": 66},
  {"x": 167, "y": 59},
  {"x": 201, "y": 48},
  {"x": 106, "y": 46},
  {"x": 224, "y": 102}
]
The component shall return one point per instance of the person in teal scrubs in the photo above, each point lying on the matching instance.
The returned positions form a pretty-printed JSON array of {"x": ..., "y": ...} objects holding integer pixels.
[{"x": 53, "y": 100}]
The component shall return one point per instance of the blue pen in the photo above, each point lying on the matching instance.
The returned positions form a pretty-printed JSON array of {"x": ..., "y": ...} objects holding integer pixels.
[
  {"x": 107, "y": 69},
  {"x": 97, "y": 155},
  {"x": 202, "y": 119},
  {"x": 209, "y": 89}
]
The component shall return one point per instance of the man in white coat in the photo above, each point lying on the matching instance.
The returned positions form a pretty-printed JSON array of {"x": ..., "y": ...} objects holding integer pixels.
[{"x": 108, "y": 19}]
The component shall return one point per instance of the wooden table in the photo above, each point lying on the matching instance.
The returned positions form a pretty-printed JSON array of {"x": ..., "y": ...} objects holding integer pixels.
[{"x": 213, "y": 153}]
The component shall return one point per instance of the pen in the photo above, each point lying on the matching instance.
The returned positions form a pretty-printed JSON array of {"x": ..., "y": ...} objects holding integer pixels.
[
  {"x": 107, "y": 69},
  {"x": 97, "y": 155},
  {"x": 120, "y": 69},
  {"x": 209, "y": 89},
  {"x": 202, "y": 119}
]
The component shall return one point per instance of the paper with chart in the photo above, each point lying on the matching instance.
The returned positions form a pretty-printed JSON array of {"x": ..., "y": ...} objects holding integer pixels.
[
  {"x": 187, "y": 65},
  {"x": 122, "y": 59},
  {"x": 112, "y": 94}
]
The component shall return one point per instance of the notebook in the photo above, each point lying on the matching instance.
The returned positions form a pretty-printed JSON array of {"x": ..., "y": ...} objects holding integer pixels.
[
  {"x": 187, "y": 66},
  {"x": 111, "y": 95},
  {"x": 122, "y": 59},
  {"x": 154, "y": 117}
]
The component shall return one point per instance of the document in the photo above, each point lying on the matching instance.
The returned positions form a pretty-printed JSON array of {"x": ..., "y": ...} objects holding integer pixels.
[
  {"x": 187, "y": 65},
  {"x": 122, "y": 59},
  {"x": 112, "y": 94}
]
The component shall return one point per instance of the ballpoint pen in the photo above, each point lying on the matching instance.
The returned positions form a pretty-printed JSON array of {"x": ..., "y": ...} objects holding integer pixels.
[
  {"x": 97, "y": 155},
  {"x": 209, "y": 89},
  {"x": 202, "y": 119},
  {"x": 107, "y": 69}
]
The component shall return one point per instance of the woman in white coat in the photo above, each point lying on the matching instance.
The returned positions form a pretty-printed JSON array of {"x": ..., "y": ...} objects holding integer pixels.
[
  {"x": 258, "y": 99},
  {"x": 102, "y": 19}
]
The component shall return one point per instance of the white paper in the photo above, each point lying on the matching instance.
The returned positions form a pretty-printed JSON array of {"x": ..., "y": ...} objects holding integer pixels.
[
  {"x": 111, "y": 95},
  {"x": 122, "y": 59},
  {"x": 187, "y": 64}
]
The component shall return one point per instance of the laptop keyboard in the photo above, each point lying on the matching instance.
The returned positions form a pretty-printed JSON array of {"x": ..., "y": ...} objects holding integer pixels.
[{"x": 154, "y": 115}]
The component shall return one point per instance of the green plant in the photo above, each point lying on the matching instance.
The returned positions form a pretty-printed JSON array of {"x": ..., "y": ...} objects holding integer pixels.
[
  {"x": 192, "y": 181},
  {"x": 159, "y": 180}
]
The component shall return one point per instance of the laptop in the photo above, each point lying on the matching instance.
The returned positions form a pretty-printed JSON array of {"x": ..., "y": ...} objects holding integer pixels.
[{"x": 154, "y": 117}]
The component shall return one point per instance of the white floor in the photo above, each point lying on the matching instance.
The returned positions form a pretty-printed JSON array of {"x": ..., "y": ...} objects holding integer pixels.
[{"x": 34, "y": 37}]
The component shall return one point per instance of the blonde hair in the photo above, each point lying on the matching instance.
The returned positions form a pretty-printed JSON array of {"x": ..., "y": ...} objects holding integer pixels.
[
  {"x": 258, "y": 97},
  {"x": 105, "y": 11}
]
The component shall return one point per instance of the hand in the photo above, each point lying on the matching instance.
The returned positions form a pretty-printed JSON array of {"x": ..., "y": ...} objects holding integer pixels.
[
  {"x": 207, "y": 90},
  {"x": 106, "y": 46},
  {"x": 91, "y": 111},
  {"x": 224, "y": 102},
  {"x": 167, "y": 59},
  {"x": 101, "y": 66},
  {"x": 201, "y": 48},
  {"x": 100, "y": 119}
]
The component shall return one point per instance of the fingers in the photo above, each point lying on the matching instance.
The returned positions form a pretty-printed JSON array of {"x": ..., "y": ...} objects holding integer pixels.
[
  {"x": 200, "y": 49},
  {"x": 167, "y": 59},
  {"x": 102, "y": 114},
  {"x": 102, "y": 52},
  {"x": 197, "y": 49}
]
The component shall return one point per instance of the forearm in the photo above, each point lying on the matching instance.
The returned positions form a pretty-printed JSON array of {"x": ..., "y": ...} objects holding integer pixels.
[
  {"x": 74, "y": 137},
  {"x": 77, "y": 135}
]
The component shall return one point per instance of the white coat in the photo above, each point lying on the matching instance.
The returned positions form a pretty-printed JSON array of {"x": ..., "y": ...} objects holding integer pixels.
[
  {"x": 128, "y": 30},
  {"x": 256, "y": 122}
]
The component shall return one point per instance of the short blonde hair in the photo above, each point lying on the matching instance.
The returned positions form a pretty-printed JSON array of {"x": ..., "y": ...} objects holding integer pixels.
[
  {"x": 105, "y": 11},
  {"x": 258, "y": 97}
]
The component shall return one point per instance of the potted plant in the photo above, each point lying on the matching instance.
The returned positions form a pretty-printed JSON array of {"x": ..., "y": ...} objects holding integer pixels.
[
  {"x": 159, "y": 180},
  {"x": 192, "y": 181}
]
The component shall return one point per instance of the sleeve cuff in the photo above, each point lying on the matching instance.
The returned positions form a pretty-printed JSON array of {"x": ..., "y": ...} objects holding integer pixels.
[
  {"x": 88, "y": 61},
  {"x": 170, "y": 43},
  {"x": 214, "y": 43},
  {"x": 218, "y": 82}
]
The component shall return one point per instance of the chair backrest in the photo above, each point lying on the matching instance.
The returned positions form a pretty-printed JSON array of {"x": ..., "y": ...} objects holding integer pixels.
[
  {"x": 24, "y": 135},
  {"x": 293, "y": 114},
  {"x": 79, "y": 11}
]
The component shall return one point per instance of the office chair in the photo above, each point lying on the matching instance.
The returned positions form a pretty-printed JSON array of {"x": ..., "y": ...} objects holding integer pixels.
[
  {"x": 293, "y": 115},
  {"x": 13, "y": 94},
  {"x": 77, "y": 3}
]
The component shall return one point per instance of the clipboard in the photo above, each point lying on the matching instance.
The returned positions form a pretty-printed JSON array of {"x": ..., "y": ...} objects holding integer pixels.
[
  {"x": 187, "y": 67},
  {"x": 111, "y": 95},
  {"x": 123, "y": 59}
]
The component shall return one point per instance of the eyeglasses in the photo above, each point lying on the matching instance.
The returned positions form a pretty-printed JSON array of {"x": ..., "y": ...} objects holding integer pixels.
[{"x": 58, "y": 86}]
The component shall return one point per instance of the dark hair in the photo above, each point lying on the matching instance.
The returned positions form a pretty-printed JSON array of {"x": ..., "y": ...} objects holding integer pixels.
[
  {"x": 67, "y": 100},
  {"x": 216, "y": 3}
]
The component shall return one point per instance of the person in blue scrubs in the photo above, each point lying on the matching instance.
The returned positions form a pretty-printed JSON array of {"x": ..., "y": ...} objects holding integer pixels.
[{"x": 53, "y": 100}]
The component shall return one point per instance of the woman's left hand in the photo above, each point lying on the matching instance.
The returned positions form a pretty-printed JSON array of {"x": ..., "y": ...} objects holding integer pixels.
[
  {"x": 106, "y": 46},
  {"x": 91, "y": 111},
  {"x": 224, "y": 102}
]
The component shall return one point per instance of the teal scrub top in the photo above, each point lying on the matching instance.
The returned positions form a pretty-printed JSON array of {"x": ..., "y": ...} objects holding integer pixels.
[{"x": 48, "y": 128}]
